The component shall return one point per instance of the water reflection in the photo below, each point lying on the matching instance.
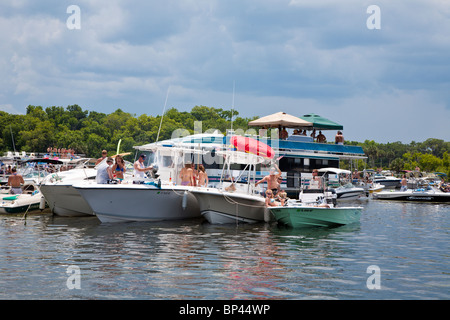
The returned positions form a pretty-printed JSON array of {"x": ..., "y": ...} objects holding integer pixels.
[{"x": 195, "y": 260}]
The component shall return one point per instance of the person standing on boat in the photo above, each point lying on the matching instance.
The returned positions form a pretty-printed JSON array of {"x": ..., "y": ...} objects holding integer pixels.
[
  {"x": 140, "y": 168},
  {"x": 104, "y": 172},
  {"x": 104, "y": 155},
  {"x": 202, "y": 177},
  {"x": 321, "y": 138},
  {"x": 15, "y": 181},
  {"x": 119, "y": 168},
  {"x": 187, "y": 175},
  {"x": 339, "y": 139},
  {"x": 272, "y": 179},
  {"x": 316, "y": 181},
  {"x": 404, "y": 184}
]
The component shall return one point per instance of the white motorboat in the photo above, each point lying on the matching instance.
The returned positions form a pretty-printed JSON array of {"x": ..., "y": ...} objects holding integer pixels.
[
  {"x": 148, "y": 199},
  {"x": 389, "y": 182},
  {"x": 62, "y": 198},
  {"x": 139, "y": 202},
  {"x": 233, "y": 201},
  {"x": 31, "y": 199},
  {"x": 339, "y": 178},
  {"x": 427, "y": 194}
]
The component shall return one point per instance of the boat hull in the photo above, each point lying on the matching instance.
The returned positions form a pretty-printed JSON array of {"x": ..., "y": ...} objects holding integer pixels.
[
  {"x": 305, "y": 217},
  {"x": 122, "y": 202},
  {"x": 349, "y": 194},
  {"x": 226, "y": 207},
  {"x": 66, "y": 201},
  {"x": 413, "y": 196}
]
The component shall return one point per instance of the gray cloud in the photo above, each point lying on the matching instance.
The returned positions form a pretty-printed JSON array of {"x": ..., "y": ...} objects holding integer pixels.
[{"x": 298, "y": 55}]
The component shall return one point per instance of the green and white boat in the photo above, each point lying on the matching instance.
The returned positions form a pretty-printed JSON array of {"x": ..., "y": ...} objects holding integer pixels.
[
  {"x": 304, "y": 216},
  {"x": 315, "y": 208},
  {"x": 30, "y": 199}
]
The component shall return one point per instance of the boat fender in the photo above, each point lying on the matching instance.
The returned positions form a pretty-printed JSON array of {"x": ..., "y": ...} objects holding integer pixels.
[
  {"x": 42, "y": 203},
  {"x": 184, "y": 201}
]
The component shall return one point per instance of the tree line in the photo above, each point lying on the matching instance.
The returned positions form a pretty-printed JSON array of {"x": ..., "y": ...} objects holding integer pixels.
[{"x": 89, "y": 132}]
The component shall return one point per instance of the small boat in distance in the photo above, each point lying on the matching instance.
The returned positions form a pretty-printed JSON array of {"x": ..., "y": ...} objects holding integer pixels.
[
  {"x": 340, "y": 178},
  {"x": 427, "y": 194}
]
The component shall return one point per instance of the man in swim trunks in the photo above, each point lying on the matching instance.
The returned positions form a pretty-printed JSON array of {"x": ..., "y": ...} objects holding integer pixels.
[
  {"x": 15, "y": 180},
  {"x": 272, "y": 179}
]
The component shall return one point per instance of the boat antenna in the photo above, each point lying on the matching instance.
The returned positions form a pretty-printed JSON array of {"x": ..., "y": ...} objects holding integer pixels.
[
  {"x": 12, "y": 138},
  {"x": 232, "y": 108},
  {"x": 162, "y": 116}
]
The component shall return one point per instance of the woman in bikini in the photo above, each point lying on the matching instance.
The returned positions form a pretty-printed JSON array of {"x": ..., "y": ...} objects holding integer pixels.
[
  {"x": 187, "y": 175},
  {"x": 202, "y": 177},
  {"x": 270, "y": 200},
  {"x": 119, "y": 168}
]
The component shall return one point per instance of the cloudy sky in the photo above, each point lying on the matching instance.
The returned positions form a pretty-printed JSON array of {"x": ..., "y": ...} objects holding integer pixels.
[{"x": 297, "y": 56}]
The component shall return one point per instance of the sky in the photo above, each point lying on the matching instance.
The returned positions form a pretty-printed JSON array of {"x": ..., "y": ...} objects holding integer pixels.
[{"x": 383, "y": 73}]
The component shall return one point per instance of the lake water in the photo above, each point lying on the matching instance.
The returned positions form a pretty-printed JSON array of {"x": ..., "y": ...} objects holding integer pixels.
[{"x": 48, "y": 257}]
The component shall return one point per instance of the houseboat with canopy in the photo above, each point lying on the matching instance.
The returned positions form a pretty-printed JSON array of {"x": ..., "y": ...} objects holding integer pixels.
[{"x": 296, "y": 154}]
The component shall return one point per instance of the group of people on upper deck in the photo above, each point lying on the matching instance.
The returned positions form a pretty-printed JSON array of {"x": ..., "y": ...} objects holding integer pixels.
[{"x": 320, "y": 138}]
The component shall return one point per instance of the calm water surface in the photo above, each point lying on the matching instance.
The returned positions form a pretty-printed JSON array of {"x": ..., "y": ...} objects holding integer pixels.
[{"x": 195, "y": 260}]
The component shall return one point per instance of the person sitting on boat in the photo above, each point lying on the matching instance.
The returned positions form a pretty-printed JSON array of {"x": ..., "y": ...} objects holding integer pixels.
[
  {"x": 270, "y": 200},
  {"x": 316, "y": 181},
  {"x": 104, "y": 172},
  {"x": 202, "y": 177},
  {"x": 321, "y": 138},
  {"x": 140, "y": 168},
  {"x": 282, "y": 197},
  {"x": 119, "y": 168},
  {"x": 15, "y": 181},
  {"x": 272, "y": 179},
  {"x": 187, "y": 175}
]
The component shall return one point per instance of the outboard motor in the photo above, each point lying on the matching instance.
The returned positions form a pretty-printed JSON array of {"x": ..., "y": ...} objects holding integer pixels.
[{"x": 333, "y": 198}]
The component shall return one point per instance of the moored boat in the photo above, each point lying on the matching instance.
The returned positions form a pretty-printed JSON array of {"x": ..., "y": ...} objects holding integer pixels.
[
  {"x": 233, "y": 201},
  {"x": 429, "y": 194},
  {"x": 62, "y": 198},
  {"x": 147, "y": 199},
  {"x": 339, "y": 178},
  {"x": 315, "y": 208},
  {"x": 300, "y": 216},
  {"x": 31, "y": 199},
  {"x": 389, "y": 182},
  {"x": 139, "y": 202}
]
